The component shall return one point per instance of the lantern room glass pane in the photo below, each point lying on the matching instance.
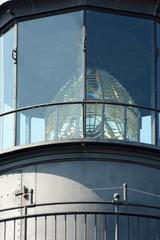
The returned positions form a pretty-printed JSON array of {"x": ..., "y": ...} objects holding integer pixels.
[
  {"x": 120, "y": 59},
  {"x": 158, "y": 80},
  {"x": 50, "y": 70},
  {"x": 52, "y": 123},
  {"x": 50, "y": 59},
  {"x": 7, "y": 44}
]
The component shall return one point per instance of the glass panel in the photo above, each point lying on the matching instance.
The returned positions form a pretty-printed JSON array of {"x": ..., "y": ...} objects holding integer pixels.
[
  {"x": 158, "y": 78},
  {"x": 1, "y": 88},
  {"x": 140, "y": 125},
  {"x": 7, "y": 42},
  {"x": 49, "y": 123},
  {"x": 119, "y": 123},
  {"x": 158, "y": 66},
  {"x": 119, "y": 59},
  {"x": 133, "y": 124},
  {"x": 8, "y": 130},
  {"x": 8, "y": 46},
  {"x": 114, "y": 122},
  {"x": 159, "y": 128},
  {"x": 105, "y": 121},
  {"x": 31, "y": 125},
  {"x": 94, "y": 122},
  {"x": 64, "y": 122},
  {"x": 1, "y": 73},
  {"x": 50, "y": 59}
]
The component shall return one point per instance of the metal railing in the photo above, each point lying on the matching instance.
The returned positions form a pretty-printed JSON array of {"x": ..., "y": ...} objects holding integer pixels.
[
  {"x": 80, "y": 119},
  {"x": 81, "y": 224}
]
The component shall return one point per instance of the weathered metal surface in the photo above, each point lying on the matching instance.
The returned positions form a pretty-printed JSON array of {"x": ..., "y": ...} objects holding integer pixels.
[
  {"x": 75, "y": 184},
  {"x": 11, "y": 10},
  {"x": 8, "y": 185}
]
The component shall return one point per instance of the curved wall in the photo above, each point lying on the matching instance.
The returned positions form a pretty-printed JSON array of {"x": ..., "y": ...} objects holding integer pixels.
[{"x": 80, "y": 179}]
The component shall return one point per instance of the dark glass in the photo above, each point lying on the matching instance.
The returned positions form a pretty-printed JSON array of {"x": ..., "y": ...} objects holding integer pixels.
[
  {"x": 119, "y": 59},
  {"x": 158, "y": 80},
  {"x": 158, "y": 65}
]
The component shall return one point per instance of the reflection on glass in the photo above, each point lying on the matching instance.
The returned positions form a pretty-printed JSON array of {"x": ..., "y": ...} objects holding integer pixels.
[
  {"x": 145, "y": 133},
  {"x": 114, "y": 122},
  {"x": 1, "y": 87},
  {"x": 6, "y": 89},
  {"x": 31, "y": 126},
  {"x": 49, "y": 123},
  {"x": 158, "y": 80},
  {"x": 8, "y": 133},
  {"x": 64, "y": 122},
  {"x": 132, "y": 119},
  {"x": 112, "y": 118},
  {"x": 50, "y": 71},
  {"x": 49, "y": 56},
  {"x": 122, "y": 47},
  {"x": 94, "y": 121}
]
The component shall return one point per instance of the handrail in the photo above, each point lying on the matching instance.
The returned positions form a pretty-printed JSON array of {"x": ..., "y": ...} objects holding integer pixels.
[
  {"x": 120, "y": 213},
  {"x": 78, "y": 102},
  {"x": 124, "y": 204}
]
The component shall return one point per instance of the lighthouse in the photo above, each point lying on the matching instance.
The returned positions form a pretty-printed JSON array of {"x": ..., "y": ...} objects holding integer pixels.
[{"x": 79, "y": 120}]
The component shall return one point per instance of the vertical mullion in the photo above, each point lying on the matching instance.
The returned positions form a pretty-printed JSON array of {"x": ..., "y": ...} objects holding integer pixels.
[
  {"x": 75, "y": 227},
  {"x": 14, "y": 229},
  {"x": 105, "y": 230},
  {"x": 147, "y": 228},
  {"x": 15, "y": 83},
  {"x": 85, "y": 227},
  {"x": 125, "y": 123},
  {"x": 128, "y": 229},
  {"x": 154, "y": 115},
  {"x": 65, "y": 226},
  {"x": 158, "y": 230},
  {"x": 95, "y": 228},
  {"x": 45, "y": 228},
  {"x": 57, "y": 121},
  {"x": 84, "y": 69},
  {"x": 156, "y": 56},
  {"x": 55, "y": 226},
  {"x": 35, "y": 228},
  {"x": 102, "y": 120},
  {"x": 137, "y": 228},
  {"x": 5, "y": 230},
  {"x": 2, "y": 90}
]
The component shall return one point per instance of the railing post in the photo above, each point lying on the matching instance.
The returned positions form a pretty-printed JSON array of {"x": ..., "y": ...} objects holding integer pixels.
[
  {"x": 125, "y": 122},
  {"x": 25, "y": 223},
  {"x": 125, "y": 195},
  {"x": 116, "y": 222}
]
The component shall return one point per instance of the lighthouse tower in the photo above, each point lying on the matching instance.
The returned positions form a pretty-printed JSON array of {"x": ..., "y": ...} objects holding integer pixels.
[{"x": 79, "y": 120}]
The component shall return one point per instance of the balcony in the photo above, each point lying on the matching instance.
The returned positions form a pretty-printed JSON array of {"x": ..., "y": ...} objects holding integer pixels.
[{"x": 42, "y": 222}]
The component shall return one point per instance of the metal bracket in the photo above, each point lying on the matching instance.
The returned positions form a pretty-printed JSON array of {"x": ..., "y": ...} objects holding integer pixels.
[
  {"x": 117, "y": 198},
  {"x": 14, "y": 55},
  {"x": 26, "y": 193}
]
